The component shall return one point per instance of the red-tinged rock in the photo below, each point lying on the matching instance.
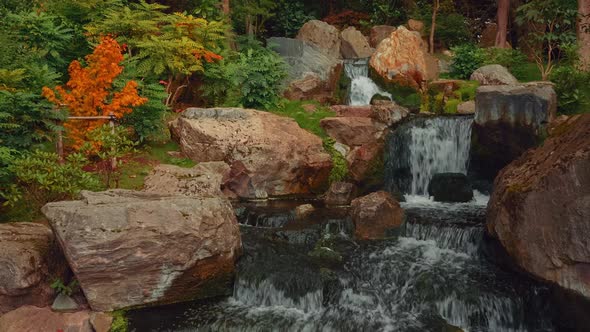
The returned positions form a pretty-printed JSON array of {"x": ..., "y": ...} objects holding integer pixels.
[{"x": 375, "y": 215}]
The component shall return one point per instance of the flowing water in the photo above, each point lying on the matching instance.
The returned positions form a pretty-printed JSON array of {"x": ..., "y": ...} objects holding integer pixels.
[
  {"x": 434, "y": 276},
  {"x": 362, "y": 88},
  {"x": 426, "y": 146}
]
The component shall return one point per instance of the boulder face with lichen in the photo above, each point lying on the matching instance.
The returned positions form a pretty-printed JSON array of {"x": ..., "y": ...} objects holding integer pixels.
[
  {"x": 401, "y": 59},
  {"x": 540, "y": 208},
  {"x": 270, "y": 155},
  {"x": 130, "y": 249}
]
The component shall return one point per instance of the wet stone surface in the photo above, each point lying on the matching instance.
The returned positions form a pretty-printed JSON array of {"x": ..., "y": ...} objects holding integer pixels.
[{"x": 434, "y": 277}]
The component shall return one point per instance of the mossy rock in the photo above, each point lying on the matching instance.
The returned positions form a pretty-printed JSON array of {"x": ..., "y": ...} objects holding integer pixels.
[
  {"x": 403, "y": 95},
  {"x": 343, "y": 89},
  {"x": 326, "y": 256}
]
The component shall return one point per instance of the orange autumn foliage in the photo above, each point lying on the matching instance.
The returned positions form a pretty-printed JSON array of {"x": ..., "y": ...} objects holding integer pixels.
[{"x": 89, "y": 91}]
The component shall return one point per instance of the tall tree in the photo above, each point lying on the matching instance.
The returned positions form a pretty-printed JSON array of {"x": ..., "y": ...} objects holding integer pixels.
[
  {"x": 583, "y": 29},
  {"x": 502, "y": 21},
  {"x": 435, "y": 8}
]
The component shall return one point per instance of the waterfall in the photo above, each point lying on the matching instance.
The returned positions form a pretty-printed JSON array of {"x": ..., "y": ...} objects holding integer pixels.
[
  {"x": 426, "y": 146},
  {"x": 362, "y": 88}
]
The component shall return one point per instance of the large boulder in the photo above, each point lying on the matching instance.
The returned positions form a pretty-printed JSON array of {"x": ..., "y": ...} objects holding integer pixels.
[
  {"x": 375, "y": 215},
  {"x": 378, "y": 33},
  {"x": 354, "y": 44},
  {"x": 450, "y": 187},
  {"x": 205, "y": 179},
  {"x": 313, "y": 74},
  {"x": 130, "y": 249},
  {"x": 353, "y": 131},
  {"x": 276, "y": 156},
  {"x": 33, "y": 319},
  {"x": 540, "y": 208},
  {"x": 29, "y": 261},
  {"x": 401, "y": 58},
  {"x": 324, "y": 36},
  {"x": 493, "y": 75},
  {"x": 509, "y": 119}
]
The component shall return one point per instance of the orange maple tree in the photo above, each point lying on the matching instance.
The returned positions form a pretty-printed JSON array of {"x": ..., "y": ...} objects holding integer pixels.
[{"x": 89, "y": 92}]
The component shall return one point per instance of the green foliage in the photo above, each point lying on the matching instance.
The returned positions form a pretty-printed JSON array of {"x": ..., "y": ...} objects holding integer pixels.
[
  {"x": 41, "y": 34},
  {"x": 169, "y": 44},
  {"x": 467, "y": 59},
  {"x": 61, "y": 288},
  {"x": 551, "y": 25},
  {"x": 571, "y": 84},
  {"x": 452, "y": 30},
  {"x": 146, "y": 120},
  {"x": 289, "y": 18},
  {"x": 109, "y": 143},
  {"x": 41, "y": 178},
  {"x": 26, "y": 119},
  {"x": 435, "y": 101},
  {"x": 339, "y": 171},
  {"x": 120, "y": 322},
  {"x": 250, "y": 16},
  {"x": 257, "y": 76},
  {"x": 388, "y": 12}
]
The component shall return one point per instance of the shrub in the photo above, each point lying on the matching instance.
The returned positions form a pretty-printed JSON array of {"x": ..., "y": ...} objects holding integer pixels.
[
  {"x": 107, "y": 144},
  {"x": 258, "y": 75},
  {"x": 466, "y": 60},
  {"x": 41, "y": 178},
  {"x": 571, "y": 84},
  {"x": 290, "y": 17},
  {"x": 26, "y": 119},
  {"x": 89, "y": 91},
  {"x": 452, "y": 30}
]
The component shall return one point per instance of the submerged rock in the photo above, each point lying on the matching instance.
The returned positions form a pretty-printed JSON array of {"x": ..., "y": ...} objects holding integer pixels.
[
  {"x": 450, "y": 187},
  {"x": 375, "y": 215},
  {"x": 509, "y": 119},
  {"x": 131, "y": 249},
  {"x": 303, "y": 211},
  {"x": 493, "y": 75},
  {"x": 30, "y": 260},
  {"x": 270, "y": 154},
  {"x": 540, "y": 208}
]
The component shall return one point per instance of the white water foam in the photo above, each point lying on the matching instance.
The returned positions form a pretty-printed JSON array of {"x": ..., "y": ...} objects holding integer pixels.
[
  {"x": 362, "y": 88},
  {"x": 441, "y": 146}
]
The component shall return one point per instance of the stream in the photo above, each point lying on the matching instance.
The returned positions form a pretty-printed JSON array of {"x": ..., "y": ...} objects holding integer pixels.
[{"x": 434, "y": 276}]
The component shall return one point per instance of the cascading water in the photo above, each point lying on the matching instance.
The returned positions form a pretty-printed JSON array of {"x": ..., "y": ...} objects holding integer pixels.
[
  {"x": 423, "y": 147},
  {"x": 433, "y": 277},
  {"x": 362, "y": 88}
]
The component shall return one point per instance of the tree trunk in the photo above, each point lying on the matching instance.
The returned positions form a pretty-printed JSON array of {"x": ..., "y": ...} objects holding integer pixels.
[
  {"x": 435, "y": 7},
  {"x": 584, "y": 34},
  {"x": 502, "y": 20},
  {"x": 225, "y": 7}
]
